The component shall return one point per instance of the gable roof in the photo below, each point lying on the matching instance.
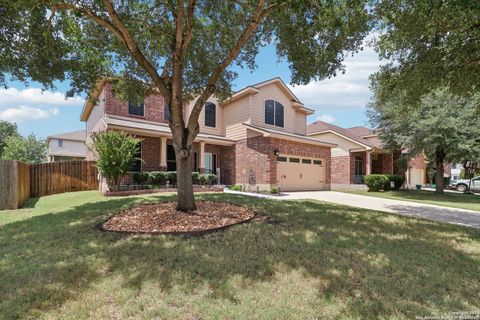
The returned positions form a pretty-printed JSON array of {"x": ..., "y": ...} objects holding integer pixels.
[
  {"x": 355, "y": 134},
  {"x": 80, "y": 135}
]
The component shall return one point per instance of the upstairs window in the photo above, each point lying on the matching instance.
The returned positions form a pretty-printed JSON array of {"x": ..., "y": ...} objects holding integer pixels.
[
  {"x": 136, "y": 107},
  {"x": 60, "y": 143},
  {"x": 166, "y": 113},
  {"x": 274, "y": 113},
  {"x": 210, "y": 115}
]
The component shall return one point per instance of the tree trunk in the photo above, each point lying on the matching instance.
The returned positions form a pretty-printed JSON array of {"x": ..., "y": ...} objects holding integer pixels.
[
  {"x": 439, "y": 159},
  {"x": 185, "y": 197}
]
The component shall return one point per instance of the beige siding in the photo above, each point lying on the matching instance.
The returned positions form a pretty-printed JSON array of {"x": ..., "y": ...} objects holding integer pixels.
[
  {"x": 69, "y": 148},
  {"x": 218, "y": 130},
  {"x": 344, "y": 145},
  {"x": 97, "y": 113},
  {"x": 300, "y": 123},
  {"x": 274, "y": 92},
  {"x": 234, "y": 114}
]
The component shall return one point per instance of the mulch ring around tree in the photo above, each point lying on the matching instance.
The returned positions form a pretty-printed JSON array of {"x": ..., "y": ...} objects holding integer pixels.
[{"x": 164, "y": 218}]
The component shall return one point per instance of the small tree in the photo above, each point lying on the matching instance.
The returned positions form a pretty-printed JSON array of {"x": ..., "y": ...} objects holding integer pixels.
[
  {"x": 29, "y": 149},
  {"x": 115, "y": 152}
]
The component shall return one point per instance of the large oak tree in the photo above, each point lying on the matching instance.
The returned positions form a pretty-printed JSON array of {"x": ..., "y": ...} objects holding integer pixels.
[{"x": 183, "y": 49}]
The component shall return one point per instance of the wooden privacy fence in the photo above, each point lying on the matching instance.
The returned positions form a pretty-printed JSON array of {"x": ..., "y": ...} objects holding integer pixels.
[
  {"x": 19, "y": 181},
  {"x": 64, "y": 176}
]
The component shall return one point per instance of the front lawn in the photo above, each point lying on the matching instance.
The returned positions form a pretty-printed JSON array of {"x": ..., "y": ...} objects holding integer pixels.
[
  {"x": 304, "y": 260},
  {"x": 448, "y": 199}
]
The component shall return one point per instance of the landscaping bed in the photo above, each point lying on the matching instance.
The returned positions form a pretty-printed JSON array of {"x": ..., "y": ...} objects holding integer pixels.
[
  {"x": 164, "y": 218},
  {"x": 123, "y": 193}
]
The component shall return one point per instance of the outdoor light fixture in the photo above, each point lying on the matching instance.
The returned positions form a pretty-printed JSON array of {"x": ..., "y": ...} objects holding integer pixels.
[{"x": 276, "y": 152}]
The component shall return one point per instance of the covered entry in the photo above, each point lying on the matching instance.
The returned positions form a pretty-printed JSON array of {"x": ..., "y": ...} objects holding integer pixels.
[{"x": 299, "y": 173}]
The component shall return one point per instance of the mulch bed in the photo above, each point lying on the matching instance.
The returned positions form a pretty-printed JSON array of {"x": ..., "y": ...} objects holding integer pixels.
[
  {"x": 164, "y": 218},
  {"x": 149, "y": 191}
]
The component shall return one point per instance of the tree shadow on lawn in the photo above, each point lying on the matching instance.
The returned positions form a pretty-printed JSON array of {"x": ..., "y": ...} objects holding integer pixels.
[{"x": 375, "y": 264}]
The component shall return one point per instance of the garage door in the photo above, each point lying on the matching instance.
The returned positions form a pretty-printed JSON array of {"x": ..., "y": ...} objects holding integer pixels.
[
  {"x": 416, "y": 177},
  {"x": 298, "y": 173}
]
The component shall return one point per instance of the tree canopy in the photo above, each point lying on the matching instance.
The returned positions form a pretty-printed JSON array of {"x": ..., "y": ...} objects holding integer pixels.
[
  {"x": 430, "y": 44},
  {"x": 29, "y": 149},
  {"x": 7, "y": 130}
]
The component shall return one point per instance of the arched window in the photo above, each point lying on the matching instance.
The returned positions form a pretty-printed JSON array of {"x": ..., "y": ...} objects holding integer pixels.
[
  {"x": 210, "y": 115},
  {"x": 274, "y": 113}
]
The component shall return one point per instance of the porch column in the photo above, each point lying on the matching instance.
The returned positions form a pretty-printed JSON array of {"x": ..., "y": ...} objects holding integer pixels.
[
  {"x": 201, "y": 167},
  {"x": 163, "y": 153},
  {"x": 368, "y": 163}
]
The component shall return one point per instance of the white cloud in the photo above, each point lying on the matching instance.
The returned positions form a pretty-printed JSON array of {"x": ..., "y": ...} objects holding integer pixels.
[
  {"x": 348, "y": 91},
  {"x": 24, "y": 113},
  {"x": 36, "y": 97},
  {"x": 326, "y": 118},
  {"x": 29, "y": 104}
]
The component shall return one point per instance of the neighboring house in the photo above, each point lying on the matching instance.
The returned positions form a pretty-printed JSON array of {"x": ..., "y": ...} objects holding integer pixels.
[
  {"x": 67, "y": 146},
  {"x": 455, "y": 171},
  {"x": 359, "y": 153},
  {"x": 256, "y": 138}
]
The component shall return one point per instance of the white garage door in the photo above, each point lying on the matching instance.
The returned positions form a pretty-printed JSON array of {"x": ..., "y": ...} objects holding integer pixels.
[
  {"x": 299, "y": 173},
  {"x": 416, "y": 177}
]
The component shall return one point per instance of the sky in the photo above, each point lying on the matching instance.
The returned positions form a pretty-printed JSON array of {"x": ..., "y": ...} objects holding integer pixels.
[{"x": 340, "y": 100}]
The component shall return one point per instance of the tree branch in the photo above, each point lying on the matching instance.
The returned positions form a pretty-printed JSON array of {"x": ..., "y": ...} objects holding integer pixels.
[
  {"x": 132, "y": 47},
  {"x": 260, "y": 13},
  {"x": 190, "y": 21}
]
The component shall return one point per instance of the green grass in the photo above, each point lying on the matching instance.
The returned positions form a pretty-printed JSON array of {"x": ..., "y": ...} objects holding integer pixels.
[
  {"x": 313, "y": 261},
  {"x": 448, "y": 199}
]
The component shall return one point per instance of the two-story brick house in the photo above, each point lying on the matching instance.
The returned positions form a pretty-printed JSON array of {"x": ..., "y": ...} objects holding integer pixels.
[{"x": 256, "y": 138}]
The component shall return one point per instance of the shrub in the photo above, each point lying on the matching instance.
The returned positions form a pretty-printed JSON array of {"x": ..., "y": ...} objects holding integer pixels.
[
  {"x": 397, "y": 180},
  {"x": 115, "y": 152},
  {"x": 274, "y": 190},
  {"x": 172, "y": 177},
  {"x": 376, "y": 182},
  {"x": 195, "y": 176},
  {"x": 212, "y": 178},
  {"x": 236, "y": 187},
  {"x": 158, "y": 177},
  {"x": 140, "y": 178}
]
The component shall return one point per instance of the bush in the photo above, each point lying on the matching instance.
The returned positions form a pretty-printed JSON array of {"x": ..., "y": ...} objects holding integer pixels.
[
  {"x": 274, "y": 190},
  {"x": 140, "y": 178},
  {"x": 212, "y": 178},
  {"x": 376, "y": 182},
  {"x": 236, "y": 187},
  {"x": 397, "y": 180},
  {"x": 172, "y": 177},
  {"x": 207, "y": 179},
  {"x": 195, "y": 176},
  {"x": 158, "y": 177},
  {"x": 115, "y": 152}
]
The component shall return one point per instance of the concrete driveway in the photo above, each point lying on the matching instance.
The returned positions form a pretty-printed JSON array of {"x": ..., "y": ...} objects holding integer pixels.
[{"x": 406, "y": 208}]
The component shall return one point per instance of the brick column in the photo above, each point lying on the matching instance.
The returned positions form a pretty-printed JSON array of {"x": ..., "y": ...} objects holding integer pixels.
[
  {"x": 201, "y": 156},
  {"x": 163, "y": 153}
]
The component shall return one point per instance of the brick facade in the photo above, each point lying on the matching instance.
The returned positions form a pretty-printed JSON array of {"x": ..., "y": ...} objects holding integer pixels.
[
  {"x": 153, "y": 106},
  {"x": 255, "y": 161},
  {"x": 341, "y": 170}
]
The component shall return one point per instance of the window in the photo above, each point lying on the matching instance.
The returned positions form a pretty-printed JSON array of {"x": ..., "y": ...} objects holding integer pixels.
[
  {"x": 171, "y": 162},
  {"x": 210, "y": 115},
  {"x": 136, "y": 107},
  {"x": 296, "y": 160},
  {"x": 307, "y": 161},
  {"x": 282, "y": 159},
  {"x": 60, "y": 143},
  {"x": 274, "y": 113},
  {"x": 195, "y": 162},
  {"x": 317, "y": 162},
  {"x": 137, "y": 163},
  {"x": 166, "y": 113},
  {"x": 358, "y": 166}
]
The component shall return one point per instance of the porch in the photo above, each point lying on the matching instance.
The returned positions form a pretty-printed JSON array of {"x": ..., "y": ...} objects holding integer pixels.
[{"x": 363, "y": 163}]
